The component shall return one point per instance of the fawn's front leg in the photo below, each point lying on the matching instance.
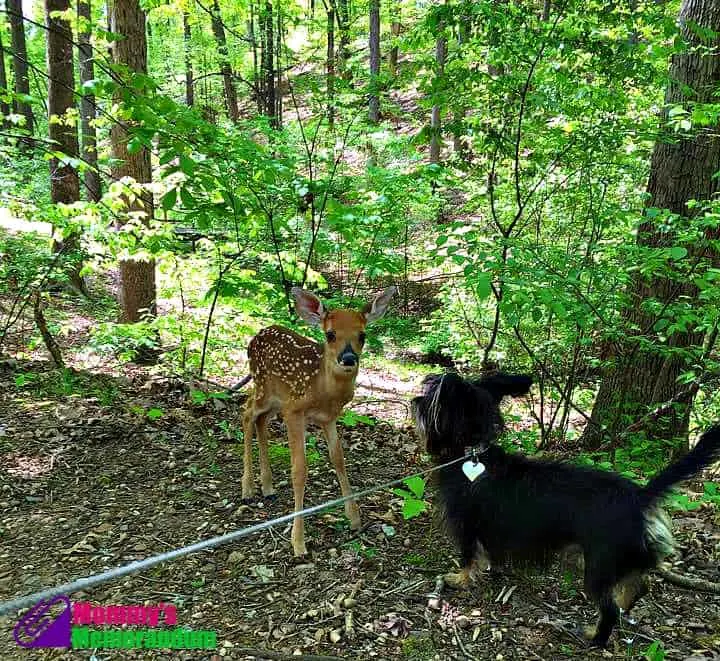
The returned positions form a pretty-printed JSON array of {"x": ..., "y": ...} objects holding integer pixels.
[
  {"x": 295, "y": 423},
  {"x": 261, "y": 424},
  {"x": 338, "y": 459}
]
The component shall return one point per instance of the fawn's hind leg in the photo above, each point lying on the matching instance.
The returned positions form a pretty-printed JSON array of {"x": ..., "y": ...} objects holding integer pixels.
[
  {"x": 249, "y": 417},
  {"x": 261, "y": 424}
]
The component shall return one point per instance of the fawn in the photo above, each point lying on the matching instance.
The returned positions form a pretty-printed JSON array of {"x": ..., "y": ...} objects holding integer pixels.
[{"x": 306, "y": 382}]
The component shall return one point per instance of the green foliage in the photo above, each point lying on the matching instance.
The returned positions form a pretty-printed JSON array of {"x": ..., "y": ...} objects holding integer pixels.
[
  {"x": 351, "y": 419},
  {"x": 413, "y": 503},
  {"x": 655, "y": 651}
]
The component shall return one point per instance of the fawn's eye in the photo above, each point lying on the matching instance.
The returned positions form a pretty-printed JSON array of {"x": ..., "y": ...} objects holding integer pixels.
[
  {"x": 361, "y": 338},
  {"x": 330, "y": 335}
]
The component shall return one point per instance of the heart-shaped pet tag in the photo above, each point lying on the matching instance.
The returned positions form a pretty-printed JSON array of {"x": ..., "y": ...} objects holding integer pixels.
[{"x": 473, "y": 470}]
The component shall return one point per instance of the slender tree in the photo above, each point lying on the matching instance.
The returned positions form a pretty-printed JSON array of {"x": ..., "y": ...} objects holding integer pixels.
[
  {"x": 268, "y": 62},
  {"x": 374, "y": 43},
  {"x": 137, "y": 277},
  {"x": 395, "y": 31},
  {"x": 682, "y": 169},
  {"x": 20, "y": 63},
  {"x": 218, "y": 29},
  {"x": 435, "y": 116},
  {"x": 87, "y": 102},
  {"x": 4, "y": 106},
  {"x": 342, "y": 14},
  {"x": 330, "y": 62},
  {"x": 187, "y": 41}
]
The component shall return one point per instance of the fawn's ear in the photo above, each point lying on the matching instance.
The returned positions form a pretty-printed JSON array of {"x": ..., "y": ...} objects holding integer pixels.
[
  {"x": 501, "y": 384},
  {"x": 375, "y": 310},
  {"x": 308, "y": 306}
]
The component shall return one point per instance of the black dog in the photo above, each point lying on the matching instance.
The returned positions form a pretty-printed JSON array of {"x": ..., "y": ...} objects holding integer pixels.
[{"x": 523, "y": 510}]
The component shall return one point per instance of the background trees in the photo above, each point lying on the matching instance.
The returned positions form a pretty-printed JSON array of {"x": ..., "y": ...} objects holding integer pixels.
[{"x": 560, "y": 218}]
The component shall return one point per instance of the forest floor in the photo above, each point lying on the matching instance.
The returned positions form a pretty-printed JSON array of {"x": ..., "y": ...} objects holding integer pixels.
[{"x": 89, "y": 481}]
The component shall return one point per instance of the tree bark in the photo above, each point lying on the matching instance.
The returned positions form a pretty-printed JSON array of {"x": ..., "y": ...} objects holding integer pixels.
[
  {"x": 20, "y": 64},
  {"x": 137, "y": 277},
  {"x": 395, "y": 31},
  {"x": 62, "y": 125},
  {"x": 4, "y": 107},
  {"x": 218, "y": 29},
  {"x": 187, "y": 41},
  {"x": 330, "y": 65},
  {"x": 374, "y": 42},
  {"x": 682, "y": 169},
  {"x": 343, "y": 19},
  {"x": 278, "y": 68},
  {"x": 268, "y": 61},
  {"x": 435, "y": 116},
  {"x": 87, "y": 102}
]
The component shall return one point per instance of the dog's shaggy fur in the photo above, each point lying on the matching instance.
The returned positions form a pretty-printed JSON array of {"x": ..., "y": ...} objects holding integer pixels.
[{"x": 524, "y": 509}]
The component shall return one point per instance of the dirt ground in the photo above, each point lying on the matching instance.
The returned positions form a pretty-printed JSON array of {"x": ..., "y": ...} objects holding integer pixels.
[{"x": 98, "y": 471}]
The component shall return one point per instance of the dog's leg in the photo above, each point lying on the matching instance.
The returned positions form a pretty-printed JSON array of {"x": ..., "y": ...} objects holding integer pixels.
[
  {"x": 474, "y": 560},
  {"x": 630, "y": 589},
  {"x": 602, "y": 595}
]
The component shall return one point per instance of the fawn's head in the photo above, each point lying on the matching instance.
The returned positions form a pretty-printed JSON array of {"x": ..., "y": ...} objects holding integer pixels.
[{"x": 344, "y": 329}]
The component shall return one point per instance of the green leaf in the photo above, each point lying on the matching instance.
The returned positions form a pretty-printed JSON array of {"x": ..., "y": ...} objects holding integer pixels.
[
  {"x": 187, "y": 199},
  {"x": 187, "y": 165},
  {"x": 678, "y": 252},
  {"x": 482, "y": 286},
  {"x": 134, "y": 145},
  {"x": 169, "y": 199},
  {"x": 416, "y": 484},
  {"x": 154, "y": 414},
  {"x": 413, "y": 507}
]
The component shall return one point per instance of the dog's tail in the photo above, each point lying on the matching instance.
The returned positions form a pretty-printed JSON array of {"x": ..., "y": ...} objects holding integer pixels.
[{"x": 706, "y": 452}]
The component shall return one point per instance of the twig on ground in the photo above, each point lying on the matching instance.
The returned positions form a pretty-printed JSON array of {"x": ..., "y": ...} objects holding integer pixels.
[{"x": 689, "y": 582}]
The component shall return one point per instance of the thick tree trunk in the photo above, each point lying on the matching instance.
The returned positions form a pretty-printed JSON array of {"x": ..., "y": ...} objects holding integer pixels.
[
  {"x": 187, "y": 41},
  {"x": 330, "y": 65},
  {"x": 62, "y": 125},
  {"x": 435, "y": 118},
  {"x": 4, "y": 107},
  {"x": 374, "y": 42},
  {"x": 87, "y": 102},
  {"x": 682, "y": 169},
  {"x": 218, "y": 29},
  {"x": 20, "y": 63},
  {"x": 395, "y": 31},
  {"x": 137, "y": 278}
]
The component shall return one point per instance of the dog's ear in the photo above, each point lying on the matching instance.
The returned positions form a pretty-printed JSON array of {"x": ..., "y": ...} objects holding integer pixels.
[{"x": 501, "y": 385}]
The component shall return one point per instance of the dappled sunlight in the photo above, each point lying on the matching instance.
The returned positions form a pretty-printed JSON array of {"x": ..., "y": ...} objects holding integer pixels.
[{"x": 26, "y": 467}]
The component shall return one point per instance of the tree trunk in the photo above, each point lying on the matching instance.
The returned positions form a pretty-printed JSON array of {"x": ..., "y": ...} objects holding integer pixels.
[
  {"x": 278, "y": 68},
  {"x": 87, "y": 102},
  {"x": 374, "y": 42},
  {"x": 682, "y": 169},
  {"x": 137, "y": 277},
  {"x": 62, "y": 125},
  {"x": 435, "y": 119},
  {"x": 257, "y": 82},
  {"x": 343, "y": 19},
  {"x": 395, "y": 31},
  {"x": 187, "y": 42},
  {"x": 20, "y": 64},
  {"x": 225, "y": 68},
  {"x": 4, "y": 107},
  {"x": 330, "y": 64},
  {"x": 268, "y": 61}
]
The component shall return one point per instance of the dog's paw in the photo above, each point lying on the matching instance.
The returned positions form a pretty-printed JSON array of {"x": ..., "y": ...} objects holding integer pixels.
[
  {"x": 458, "y": 580},
  {"x": 592, "y": 639}
]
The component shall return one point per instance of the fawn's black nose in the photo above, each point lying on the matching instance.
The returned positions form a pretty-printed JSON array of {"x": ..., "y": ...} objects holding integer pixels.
[{"x": 347, "y": 357}]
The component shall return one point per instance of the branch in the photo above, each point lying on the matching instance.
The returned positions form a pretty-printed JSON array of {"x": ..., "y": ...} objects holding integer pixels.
[{"x": 689, "y": 582}]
